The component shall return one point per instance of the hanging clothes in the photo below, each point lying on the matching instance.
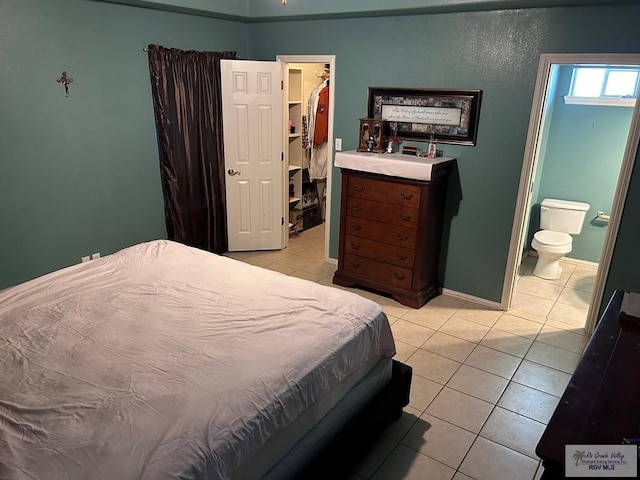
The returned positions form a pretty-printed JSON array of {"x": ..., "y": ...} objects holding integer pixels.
[
  {"x": 318, "y": 162},
  {"x": 318, "y": 106},
  {"x": 321, "y": 127},
  {"x": 305, "y": 132},
  {"x": 312, "y": 106}
]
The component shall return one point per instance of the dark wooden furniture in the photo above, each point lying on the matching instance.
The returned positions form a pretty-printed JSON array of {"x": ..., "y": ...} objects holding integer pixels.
[
  {"x": 356, "y": 438},
  {"x": 390, "y": 233},
  {"x": 601, "y": 404}
]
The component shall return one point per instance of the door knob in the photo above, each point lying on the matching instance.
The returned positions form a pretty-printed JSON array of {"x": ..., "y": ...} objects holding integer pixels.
[{"x": 233, "y": 172}]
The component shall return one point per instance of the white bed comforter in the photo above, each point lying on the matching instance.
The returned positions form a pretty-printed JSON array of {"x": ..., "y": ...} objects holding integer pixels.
[{"x": 163, "y": 361}]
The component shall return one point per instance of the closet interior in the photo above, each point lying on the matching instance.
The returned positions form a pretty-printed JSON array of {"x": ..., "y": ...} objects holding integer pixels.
[{"x": 307, "y": 150}]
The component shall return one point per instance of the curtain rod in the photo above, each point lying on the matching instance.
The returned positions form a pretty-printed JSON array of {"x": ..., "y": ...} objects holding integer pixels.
[{"x": 145, "y": 49}]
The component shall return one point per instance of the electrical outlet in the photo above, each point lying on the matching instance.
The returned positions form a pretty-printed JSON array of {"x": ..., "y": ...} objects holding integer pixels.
[
  {"x": 338, "y": 144},
  {"x": 86, "y": 259},
  {"x": 95, "y": 255}
]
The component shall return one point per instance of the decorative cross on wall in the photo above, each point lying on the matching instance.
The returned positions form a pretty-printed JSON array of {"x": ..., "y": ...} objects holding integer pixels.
[{"x": 66, "y": 81}]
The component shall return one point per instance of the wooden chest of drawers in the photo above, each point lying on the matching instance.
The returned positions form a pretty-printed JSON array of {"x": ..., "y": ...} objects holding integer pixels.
[{"x": 390, "y": 233}]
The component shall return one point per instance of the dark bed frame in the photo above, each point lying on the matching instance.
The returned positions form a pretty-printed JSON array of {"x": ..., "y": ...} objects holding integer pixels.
[{"x": 352, "y": 442}]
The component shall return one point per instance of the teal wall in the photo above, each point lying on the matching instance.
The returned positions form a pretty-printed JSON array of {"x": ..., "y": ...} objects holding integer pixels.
[
  {"x": 581, "y": 162},
  {"x": 497, "y": 52},
  {"x": 80, "y": 174}
]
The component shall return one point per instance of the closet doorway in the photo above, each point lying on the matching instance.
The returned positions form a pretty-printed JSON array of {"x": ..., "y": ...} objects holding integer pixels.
[
  {"x": 535, "y": 139},
  {"x": 316, "y": 71}
]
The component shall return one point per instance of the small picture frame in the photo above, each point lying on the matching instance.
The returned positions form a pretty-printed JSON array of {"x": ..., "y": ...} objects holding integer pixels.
[{"x": 373, "y": 134}]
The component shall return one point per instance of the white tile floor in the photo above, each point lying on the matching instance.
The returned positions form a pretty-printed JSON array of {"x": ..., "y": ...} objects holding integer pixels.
[{"x": 485, "y": 382}]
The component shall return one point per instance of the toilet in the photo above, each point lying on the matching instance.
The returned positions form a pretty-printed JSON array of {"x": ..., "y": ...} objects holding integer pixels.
[{"x": 559, "y": 219}]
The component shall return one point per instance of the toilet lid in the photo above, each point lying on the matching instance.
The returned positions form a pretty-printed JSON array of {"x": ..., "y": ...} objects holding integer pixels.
[{"x": 550, "y": 237}]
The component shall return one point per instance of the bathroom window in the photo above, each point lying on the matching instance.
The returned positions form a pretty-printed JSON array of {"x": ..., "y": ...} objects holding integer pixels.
[{"x": 617, "y": 86}]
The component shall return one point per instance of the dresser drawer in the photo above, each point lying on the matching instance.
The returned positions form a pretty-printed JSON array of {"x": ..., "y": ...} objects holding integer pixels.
[
  {"x": 383, "y": 212},
  {"x": 382, "y": 232},
  {"x": 390, "y": 233},
  {"x": 384, "y": 272},
  {"x": 384, "y": 191},
  {"x": 403, "y": 257}
]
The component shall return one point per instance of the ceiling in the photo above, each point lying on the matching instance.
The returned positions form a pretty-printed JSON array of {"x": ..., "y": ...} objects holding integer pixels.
[{"x": 273, "y": 10}]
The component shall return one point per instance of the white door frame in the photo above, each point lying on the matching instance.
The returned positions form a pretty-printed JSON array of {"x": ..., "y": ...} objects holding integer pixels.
[
  {"x": 331, "y": 60},
  {"x": 523, "y": 202}
]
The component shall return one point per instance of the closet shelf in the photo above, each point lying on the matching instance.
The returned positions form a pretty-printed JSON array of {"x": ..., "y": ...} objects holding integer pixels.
[
  {"x": 294, "y": 135},
  {"x": 293, "y": 200},
  {"x": 295, "y": 102},
  {"x": 294, "y": 168}
]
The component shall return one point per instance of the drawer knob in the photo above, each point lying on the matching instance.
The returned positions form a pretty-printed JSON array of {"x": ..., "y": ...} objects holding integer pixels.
[
  {"x": 356, "y": 228},
  {"x": 405, "y": 218},
  {"x": 355, "y": 246},
  {"x": 407, "y": 196},
  {"x": 357, "y": 208},
  {"x": 358, "y": 188},
  {"x": 402, "y": 258},
  {"x": 403, "y": 238},
  {"x": 398, "y": 276},
  {"x": 354, "y": 264}
]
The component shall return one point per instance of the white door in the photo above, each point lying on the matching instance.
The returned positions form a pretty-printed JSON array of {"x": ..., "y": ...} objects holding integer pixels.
[{"x": 253, "y": 146}]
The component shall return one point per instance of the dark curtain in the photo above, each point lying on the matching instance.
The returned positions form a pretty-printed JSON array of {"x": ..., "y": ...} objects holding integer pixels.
[{"x": 187, "y": 102}]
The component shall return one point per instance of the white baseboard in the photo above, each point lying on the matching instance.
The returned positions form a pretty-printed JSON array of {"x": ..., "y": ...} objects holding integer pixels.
[
  {"x": 572, "y": 261},
  {"x": 471, "y": 298}
]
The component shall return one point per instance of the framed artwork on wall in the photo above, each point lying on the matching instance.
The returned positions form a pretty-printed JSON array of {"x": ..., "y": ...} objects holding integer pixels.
[{"x": 446, "y": 116}]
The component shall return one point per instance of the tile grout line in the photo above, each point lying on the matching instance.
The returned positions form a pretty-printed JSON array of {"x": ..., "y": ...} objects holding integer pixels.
[{"x": 476, "y": 344}]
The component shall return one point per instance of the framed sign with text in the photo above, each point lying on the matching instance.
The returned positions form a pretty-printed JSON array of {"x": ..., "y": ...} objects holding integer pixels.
[{"x": 447, "y": 116}]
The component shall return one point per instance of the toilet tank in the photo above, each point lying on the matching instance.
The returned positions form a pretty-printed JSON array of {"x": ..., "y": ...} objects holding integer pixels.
[{"x": 562, "y": 215}]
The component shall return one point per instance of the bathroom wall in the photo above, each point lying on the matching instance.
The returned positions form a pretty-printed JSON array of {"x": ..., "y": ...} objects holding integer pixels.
[{"x": 581, "y": 162}]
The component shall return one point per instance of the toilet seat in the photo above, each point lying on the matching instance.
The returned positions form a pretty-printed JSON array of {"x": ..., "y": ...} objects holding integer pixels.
[
  {"x": 551, "y": 238},
  {"x": 552, "y": 242}
]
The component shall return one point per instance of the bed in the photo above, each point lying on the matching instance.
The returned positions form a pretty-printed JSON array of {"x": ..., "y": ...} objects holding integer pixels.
[{"x": 163, "y": 361}]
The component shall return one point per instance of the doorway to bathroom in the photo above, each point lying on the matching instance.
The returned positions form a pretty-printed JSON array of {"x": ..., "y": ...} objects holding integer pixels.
[{"x": 577, "y": 150}]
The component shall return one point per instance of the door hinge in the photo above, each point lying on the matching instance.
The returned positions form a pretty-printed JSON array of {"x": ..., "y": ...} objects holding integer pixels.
[
  {"x": 281, "y": 84},
  {"x": 281, "y": 220},
  {"x": 282, "y": 156}
]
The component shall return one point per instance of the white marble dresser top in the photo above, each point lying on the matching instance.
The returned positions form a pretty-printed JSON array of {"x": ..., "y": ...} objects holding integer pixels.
[{"x": 391, "y": 164}]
